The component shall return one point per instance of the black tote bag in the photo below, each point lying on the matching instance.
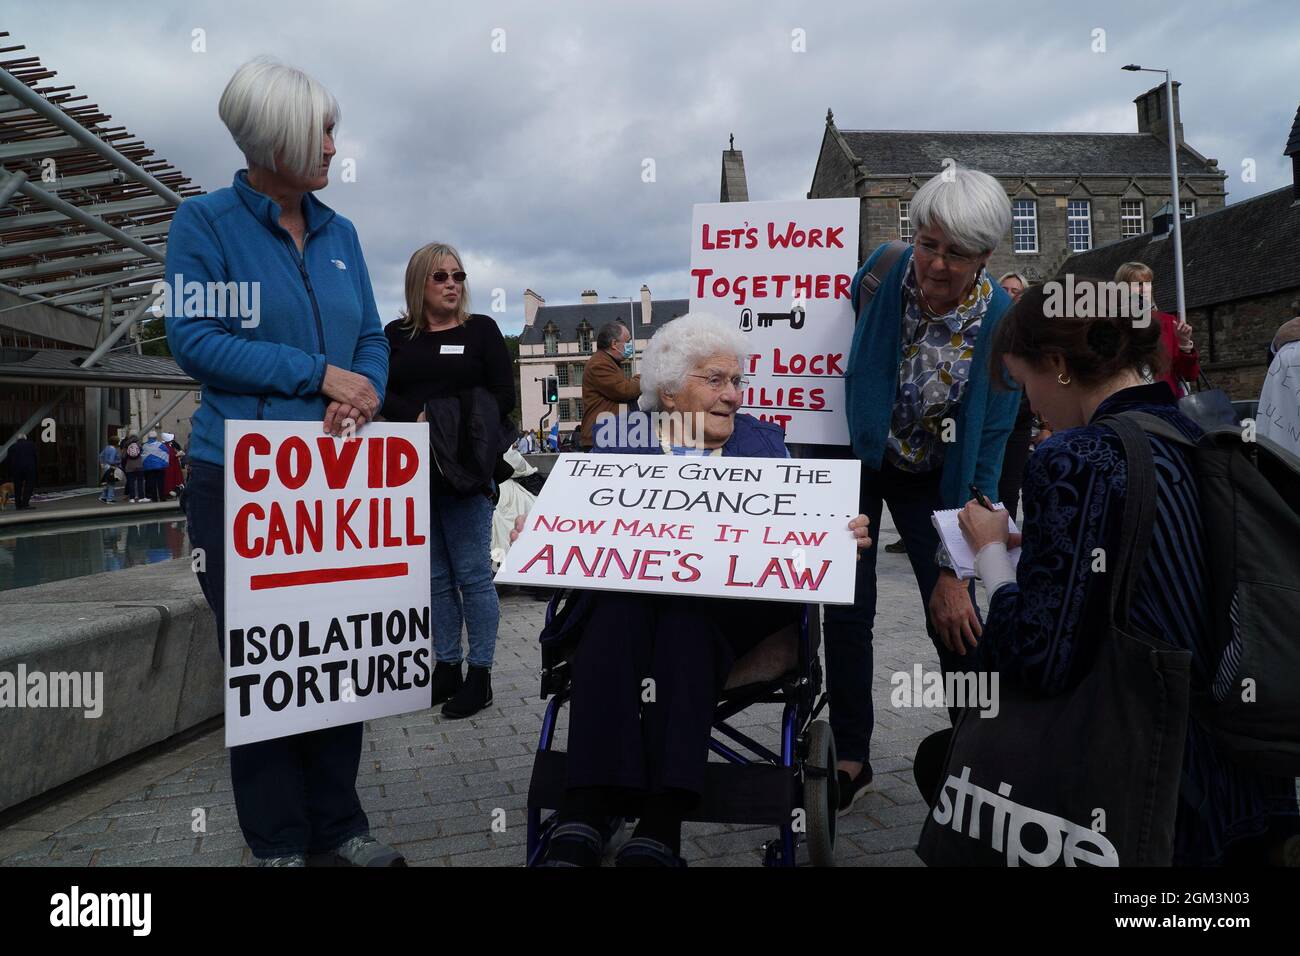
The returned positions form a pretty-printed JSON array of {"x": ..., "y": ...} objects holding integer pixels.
[{"x": 1088, "y": 777}]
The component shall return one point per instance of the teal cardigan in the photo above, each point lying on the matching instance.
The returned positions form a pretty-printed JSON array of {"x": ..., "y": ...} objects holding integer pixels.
[{"x": 984, "y": 419}]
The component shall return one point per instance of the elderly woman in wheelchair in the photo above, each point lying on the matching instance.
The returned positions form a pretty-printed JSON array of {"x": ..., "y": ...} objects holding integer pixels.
[{"x": 647, "y": 669}]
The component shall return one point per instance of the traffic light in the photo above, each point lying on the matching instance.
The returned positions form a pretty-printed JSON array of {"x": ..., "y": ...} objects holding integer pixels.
[{"x": 550, "y": 390}]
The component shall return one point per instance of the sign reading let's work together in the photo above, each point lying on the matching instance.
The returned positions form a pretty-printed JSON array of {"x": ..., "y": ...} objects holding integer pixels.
[
  {"x": 761, "y": 528},
  {"x": 327, "y": 576},
  {"x": 781, "y": 272}
]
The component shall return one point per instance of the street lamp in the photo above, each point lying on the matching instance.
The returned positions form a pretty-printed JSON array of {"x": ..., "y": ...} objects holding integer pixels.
[{"x": 1173, "y": 179}]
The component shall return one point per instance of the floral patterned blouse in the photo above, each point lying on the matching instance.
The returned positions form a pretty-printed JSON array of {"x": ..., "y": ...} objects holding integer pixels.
[{"x": 932, "y": 374}]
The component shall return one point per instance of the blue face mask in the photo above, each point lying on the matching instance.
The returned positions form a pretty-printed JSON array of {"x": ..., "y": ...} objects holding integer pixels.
[{"x": 628, "y": 349}]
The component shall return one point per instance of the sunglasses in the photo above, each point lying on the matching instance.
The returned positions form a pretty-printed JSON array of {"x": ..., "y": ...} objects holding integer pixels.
[{"x": 440, "y": 276}]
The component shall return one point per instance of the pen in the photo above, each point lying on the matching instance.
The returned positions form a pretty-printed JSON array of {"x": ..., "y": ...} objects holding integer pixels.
[{"x": 979, "y": 496}]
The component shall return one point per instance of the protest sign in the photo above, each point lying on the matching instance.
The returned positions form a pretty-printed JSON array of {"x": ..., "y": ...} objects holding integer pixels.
[
  {"x": 781, "y": 272},
  {"x": 327, "y": 576},
  {"x": 765, "y": 528},
  {"x": 1278, "y": 414}
]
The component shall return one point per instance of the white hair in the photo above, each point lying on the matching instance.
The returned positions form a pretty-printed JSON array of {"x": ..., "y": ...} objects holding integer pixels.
[
  {"x": 968, "y": 205},
  {"x": 272, "y": 109},
  {"x": 680, "y": 346}
]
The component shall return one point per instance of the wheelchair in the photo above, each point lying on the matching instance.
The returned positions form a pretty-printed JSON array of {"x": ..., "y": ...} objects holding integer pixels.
[{"x": 794, "y": 790}]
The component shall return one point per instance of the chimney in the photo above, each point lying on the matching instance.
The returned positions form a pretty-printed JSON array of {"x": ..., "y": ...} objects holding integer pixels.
[
  {"x": 645, "y": 305},
  {"x": 532, "y": 302},
  {"x": 1293, "y": 150},
  {"x": 589, "y": 297},
  {"x": 1151, "y": 113}
]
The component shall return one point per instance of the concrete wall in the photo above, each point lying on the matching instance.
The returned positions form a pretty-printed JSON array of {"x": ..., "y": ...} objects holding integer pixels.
[{"x": 146, "y": 629}]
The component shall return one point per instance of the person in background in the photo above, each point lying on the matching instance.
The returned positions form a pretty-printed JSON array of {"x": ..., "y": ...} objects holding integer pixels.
[
  {"x": 1278, "y": 415},
  {"x": 109, "y": 460},
  {"x": 553, "y": 436},
  {"x": 316, "y": 354},
  {"x": 173, "y": 477},
  {"x": 155, "y": 457},
  {"x": 133, "y": 468},
  {"x": 1048, "y": 613},
  {"x": 1018, "y": 443},
  {"x": 605, "y": 388},
  {"x": 926, "y": 425},
  {"x": 1181, "y": 363},
  {"x": 22, "y": 470},
  {"x": 1288, "y": 331},
  {"x": 441, "y": 350}
]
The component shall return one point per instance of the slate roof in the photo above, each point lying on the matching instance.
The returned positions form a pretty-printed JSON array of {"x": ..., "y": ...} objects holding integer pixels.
[
  {"x": 908, "y": 152},
  {"x": 1246, "y": 249},
  {"x": 567, "y": 318},
  {"x": 115, "y": 370},
  {"x": 1293, "y": 141}
]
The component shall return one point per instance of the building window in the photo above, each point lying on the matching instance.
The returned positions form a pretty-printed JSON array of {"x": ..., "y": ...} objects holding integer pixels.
[
  {"x": 1024, "y": 225},
  {"x": 1078, "y": 225},
  {"x": 1186, "y": 208},
  {"x": 576, "y": 375},
  {"x": 562, "y": 373},
  {"x": 564, "y": 410},
  {"x": 905, "y": 220},
  {"x": 584, "y": 338},
  {"x": 1132, "y": 221},
  {"x": 551, "y": 339},
  {"x": 577, "y": 409}
]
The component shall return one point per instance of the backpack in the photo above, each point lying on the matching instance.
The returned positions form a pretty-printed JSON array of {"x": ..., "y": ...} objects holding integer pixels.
[
  {"x": 871, "y": 280},
  {"x": 133, "y": 450},
  {"x": 1250, "y": 509}
]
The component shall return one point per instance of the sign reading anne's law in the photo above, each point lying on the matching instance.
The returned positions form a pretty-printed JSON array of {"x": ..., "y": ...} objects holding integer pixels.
[
  {"x": 767, "y": 528},
  {"x": 327, "y": 576},
  {"x": 781, "y": 271}
]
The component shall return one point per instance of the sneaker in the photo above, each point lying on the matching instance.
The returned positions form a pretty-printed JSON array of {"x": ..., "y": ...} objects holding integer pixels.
[
  {"x": 473, "y": 696},
  {"x": 643, "y": 851},
  {"x": 293, "y": 859},
  {"x": 447, "y": 680},
  {"x": 365, "y": 850},
  {"x": 896, "y": 547},
  {"x": 574, "y": 844},
  {"x": 852, "y": 788}
]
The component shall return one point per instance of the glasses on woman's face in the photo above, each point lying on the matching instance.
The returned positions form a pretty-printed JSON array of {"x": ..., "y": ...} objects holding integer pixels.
[
  {"x": 930, "y": 250},
  {"x": 717, "y": 381},
  {"x": 442, "y": 275}
]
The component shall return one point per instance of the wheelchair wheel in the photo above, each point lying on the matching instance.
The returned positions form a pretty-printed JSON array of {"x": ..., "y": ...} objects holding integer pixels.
[{"x": 820, "y": 796}]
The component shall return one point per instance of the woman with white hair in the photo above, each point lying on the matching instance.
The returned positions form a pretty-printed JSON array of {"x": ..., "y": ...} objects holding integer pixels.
[
  {"x": 626, "y": 757},
  {"x": 314, "y": 351},
  {"x": 925, "y": 425}
]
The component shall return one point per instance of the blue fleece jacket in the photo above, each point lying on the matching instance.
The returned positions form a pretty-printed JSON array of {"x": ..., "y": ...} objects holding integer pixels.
[
  {"x": 984, "y": 419},
  {"x": 315, "y": 309}
]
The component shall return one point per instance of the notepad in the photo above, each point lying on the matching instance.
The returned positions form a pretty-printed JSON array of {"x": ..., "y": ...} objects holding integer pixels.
[{"x": 963, "y": 559}]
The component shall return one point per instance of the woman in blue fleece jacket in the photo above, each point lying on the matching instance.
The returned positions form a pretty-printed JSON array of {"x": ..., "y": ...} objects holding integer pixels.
[
  {"x": 304, "y": 344},
  {"x": 925, "y": 425}
]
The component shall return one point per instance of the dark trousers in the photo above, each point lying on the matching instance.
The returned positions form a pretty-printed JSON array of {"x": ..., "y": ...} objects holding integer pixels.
[
  {"x": 653, "y": 737},
  {"x": 294, "y": 794},
  {"x": 24, "y": 486},
  {"x": 135, "y": 486},
  {"x": 153, "y": 483},
  {"x": 848, "y": 628},
  {"x": 1013, "y": 469}
]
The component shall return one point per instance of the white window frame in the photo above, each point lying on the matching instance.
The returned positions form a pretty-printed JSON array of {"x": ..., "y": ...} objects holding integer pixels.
[
  {"x": 1191, "y": 204},
  {"x": 1072, "y": 219},
  {"x": 1126, "y": 219},
  {"x": 905, "y": 231},
  {"x": 1031, "y": 219}
]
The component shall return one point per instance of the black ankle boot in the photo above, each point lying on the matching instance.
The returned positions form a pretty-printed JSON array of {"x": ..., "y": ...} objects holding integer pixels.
[
  {"x": 473, "y": 696},
  {"x": 447, "y": 680}
]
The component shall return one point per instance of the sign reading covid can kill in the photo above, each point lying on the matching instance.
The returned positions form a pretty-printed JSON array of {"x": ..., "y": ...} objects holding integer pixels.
[
  {"x": 781, "y": 273},
  {"x": 774, "y": 529},
  {"x": 327, "y": 576}
]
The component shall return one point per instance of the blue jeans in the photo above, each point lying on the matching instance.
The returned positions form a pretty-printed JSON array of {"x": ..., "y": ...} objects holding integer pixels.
[
  {"x": 848, "y": 628},
  {"x": 295, "y": 794},
  {"x": 460, "y": 576}
]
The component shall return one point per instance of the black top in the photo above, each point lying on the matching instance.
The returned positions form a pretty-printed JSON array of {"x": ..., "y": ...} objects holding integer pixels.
[{"x": 443, "y": 364}]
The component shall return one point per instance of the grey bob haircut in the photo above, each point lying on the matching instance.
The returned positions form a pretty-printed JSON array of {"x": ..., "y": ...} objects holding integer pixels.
[
  {"x": 968, "y": 205},
  {"x": 272, "y": 109}
]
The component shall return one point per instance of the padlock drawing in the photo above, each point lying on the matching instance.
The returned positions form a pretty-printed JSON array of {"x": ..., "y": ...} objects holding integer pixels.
[{"x": 747, "y": 320}]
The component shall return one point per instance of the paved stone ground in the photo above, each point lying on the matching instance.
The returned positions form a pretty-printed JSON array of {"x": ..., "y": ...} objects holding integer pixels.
[{"x": 431, "y": 786}]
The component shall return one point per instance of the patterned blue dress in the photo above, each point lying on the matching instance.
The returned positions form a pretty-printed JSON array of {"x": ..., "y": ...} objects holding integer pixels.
[{"x": 1043, "y": 630}]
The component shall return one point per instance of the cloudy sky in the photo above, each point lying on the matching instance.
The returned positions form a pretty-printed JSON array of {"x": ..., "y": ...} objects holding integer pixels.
[{"x": 530, "y": 158}]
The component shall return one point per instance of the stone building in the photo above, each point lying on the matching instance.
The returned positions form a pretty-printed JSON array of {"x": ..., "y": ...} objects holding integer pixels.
[
  {"x": 1070, "y": 192},
  {"x": 1241, "y": 277}
]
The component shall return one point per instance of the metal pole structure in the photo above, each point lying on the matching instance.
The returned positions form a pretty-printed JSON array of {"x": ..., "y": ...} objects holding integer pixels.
[
  {"x": 25, "y": 95},
  {"x": 1173, "y": 185},
  {"x": 11, "y": 186},
  {"x": 163, "y": 414},
  {"x": 100, "y": 351},
  {"x": 85, "y": 218}
]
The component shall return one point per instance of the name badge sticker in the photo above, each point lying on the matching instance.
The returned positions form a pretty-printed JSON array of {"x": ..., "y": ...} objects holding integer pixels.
[{"x": 451, "y": 350}]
